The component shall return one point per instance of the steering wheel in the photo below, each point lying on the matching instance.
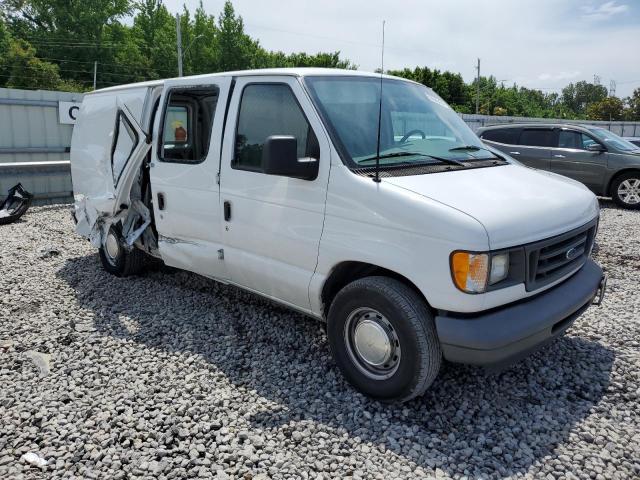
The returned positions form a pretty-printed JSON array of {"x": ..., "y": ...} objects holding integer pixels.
[{"x": 407, "y": 135}]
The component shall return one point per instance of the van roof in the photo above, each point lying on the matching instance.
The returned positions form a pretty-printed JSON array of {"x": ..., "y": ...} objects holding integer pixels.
[{"x": 296, "y": 72}]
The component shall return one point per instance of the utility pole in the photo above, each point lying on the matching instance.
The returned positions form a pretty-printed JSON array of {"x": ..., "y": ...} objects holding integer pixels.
[
  {"x": 179, "y": 41},
  {"x": 612, "y": 88},
  {"x": 478, "y": 89},
  {"x": 95, "y": 74}
]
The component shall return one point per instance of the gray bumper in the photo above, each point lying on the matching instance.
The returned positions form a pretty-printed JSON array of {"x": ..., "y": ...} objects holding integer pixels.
[{"x": 507, "y": 334}]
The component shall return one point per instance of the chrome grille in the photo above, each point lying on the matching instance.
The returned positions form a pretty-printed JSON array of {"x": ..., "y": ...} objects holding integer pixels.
[{"x": 553, "y": 258}]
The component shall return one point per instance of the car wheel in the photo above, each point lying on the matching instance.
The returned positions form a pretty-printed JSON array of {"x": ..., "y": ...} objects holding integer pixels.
[
  {"x": 383, "y": 339},
  {"x": 116, "y": 259},
  {"x": 625, "y": 190}
]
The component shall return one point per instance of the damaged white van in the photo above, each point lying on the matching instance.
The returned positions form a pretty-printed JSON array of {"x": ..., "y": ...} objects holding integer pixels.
[{"x": 361, "y": 200}]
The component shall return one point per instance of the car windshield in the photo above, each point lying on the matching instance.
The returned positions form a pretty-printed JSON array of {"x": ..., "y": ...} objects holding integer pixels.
[
  {"x": 613, "y": 140},
  {"x": 417, "y": 125}
]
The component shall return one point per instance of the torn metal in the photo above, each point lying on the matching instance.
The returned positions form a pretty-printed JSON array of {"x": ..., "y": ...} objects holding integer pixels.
[{"x": 15, "y": 205}]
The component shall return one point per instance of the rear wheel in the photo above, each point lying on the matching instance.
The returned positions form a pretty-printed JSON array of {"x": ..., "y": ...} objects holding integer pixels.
[
  {"x": 118, "y": 260},
  {"x": 625, "y": 190},
  {"x": 383, "y": 339}
]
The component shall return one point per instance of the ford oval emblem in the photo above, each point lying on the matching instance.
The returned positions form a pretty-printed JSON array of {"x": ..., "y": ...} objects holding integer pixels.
[{"x": 572, "y": 253}]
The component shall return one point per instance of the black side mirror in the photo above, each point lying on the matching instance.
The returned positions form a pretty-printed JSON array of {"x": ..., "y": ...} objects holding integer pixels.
[
  {"x": 280, "y": 157},
  {"x": 596, "y": 147}
]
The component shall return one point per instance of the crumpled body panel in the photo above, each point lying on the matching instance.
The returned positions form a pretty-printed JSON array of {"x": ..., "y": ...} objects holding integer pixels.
[
  {"x": 104, "y": 196},
  {"x": 15, "y": 205}
]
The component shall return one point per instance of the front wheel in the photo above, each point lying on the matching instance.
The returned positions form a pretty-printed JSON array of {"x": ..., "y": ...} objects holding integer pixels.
[
  {"x": 625, "y": 190},
  {"x": 383, "y": 339}
]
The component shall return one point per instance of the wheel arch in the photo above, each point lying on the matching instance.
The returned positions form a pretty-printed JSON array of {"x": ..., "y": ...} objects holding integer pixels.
[
  {"x": 348, "y": 271},
  {"x": 617, "y": 175}
]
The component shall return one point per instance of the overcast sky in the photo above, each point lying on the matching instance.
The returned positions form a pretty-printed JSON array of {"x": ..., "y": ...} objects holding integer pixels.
[{"x": 541, "y": 44}]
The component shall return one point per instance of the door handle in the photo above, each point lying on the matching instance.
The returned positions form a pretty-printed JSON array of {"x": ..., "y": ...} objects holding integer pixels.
[
  {"x": 514, "y": 153},
  {"x": 557, "y": 155},
  {"x": 160, "y": 201},
  {"x": 227, "y": 210}
]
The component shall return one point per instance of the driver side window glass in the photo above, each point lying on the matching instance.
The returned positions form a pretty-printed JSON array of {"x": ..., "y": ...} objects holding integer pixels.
[
  {"x": 575, "y": 140},
  {"x": 266, "y": 110}
]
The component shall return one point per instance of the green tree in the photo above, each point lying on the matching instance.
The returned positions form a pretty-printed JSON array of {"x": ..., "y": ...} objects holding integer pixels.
[
  {"x": 576, "y": 97},
  {"x": 632, "y": 111},
  {"x": 74, "y": 33},
  {"x": 235, "y": 48},
  {"x": 152, "y": 41},
  {"x": 610, "y": 108},
  {"x": 450, "y": 86},
  {"x": 25, "y": 70}
]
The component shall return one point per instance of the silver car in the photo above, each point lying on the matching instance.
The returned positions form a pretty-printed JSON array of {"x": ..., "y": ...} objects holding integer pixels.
[{"x": 607, "y": 164}]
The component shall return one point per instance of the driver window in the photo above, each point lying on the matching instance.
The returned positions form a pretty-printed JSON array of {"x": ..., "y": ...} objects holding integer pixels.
[
  {"x": 269, "y": 109},
  {"x": 575, "y": 140}
]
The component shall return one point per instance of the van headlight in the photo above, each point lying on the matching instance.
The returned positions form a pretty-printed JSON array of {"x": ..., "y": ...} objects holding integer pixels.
[{"x": 474, "y": 272}]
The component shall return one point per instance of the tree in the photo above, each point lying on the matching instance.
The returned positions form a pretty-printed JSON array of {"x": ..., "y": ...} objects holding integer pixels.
[
  {"x": 152, "y": 42},
  {"x": 450, "y": 86},
  {"x": 25, "y": 70},
  {"x": 610, "y": 108},
  {"x": 73, "y": 33},
  {"x": 235, "y": 49},
  {"x": 576, "y": 97},
  {"x": 632, "y": 112}
]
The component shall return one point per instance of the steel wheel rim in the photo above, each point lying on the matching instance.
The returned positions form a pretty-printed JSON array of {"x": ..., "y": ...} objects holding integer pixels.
[
  {"x": 629, "y": 191},
  {"x": 372, "y": 343},
  {"x": 112, "y": 248}
]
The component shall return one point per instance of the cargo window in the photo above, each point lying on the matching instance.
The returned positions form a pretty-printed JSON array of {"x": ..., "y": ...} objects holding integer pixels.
[
  {"x": 502, "y": 135},
  {"x": 186, "y": 124},
  {"x": 537, "y": 137},
  {"x": 266, "y": 110},
  {"x": 125, "y": 140}
]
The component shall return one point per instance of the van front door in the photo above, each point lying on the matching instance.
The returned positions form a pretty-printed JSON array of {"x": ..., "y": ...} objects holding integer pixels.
[
  {"x": 273, "y": 223},
  {"x": 184, "y": 170}
]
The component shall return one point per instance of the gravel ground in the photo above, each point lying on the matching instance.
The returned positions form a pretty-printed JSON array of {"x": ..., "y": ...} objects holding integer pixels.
[{"x": 170, "y": 375}]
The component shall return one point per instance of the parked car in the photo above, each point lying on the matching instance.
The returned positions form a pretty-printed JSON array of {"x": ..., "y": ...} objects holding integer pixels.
[
  {"x": 634, "y": 140},
  {"x": 607, "y": 164},
  {"x": 408, "y": 237}
]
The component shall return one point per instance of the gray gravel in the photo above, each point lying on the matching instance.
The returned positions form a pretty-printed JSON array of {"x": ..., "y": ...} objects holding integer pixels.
[{"x": 170, "y": 375}]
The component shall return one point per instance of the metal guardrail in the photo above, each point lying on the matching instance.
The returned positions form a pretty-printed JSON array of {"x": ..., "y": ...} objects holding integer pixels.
[
  {"x": 39, "y": 165},
  {"x": 12, "y": 150}
]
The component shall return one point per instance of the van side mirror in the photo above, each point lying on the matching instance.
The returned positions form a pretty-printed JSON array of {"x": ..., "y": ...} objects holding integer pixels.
[
  {"x": 280, "y": 157},
  {"x": 596, "y": 147}
]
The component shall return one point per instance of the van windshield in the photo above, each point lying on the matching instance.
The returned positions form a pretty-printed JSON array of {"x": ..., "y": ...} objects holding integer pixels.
[{"x": 417, "y": 125}]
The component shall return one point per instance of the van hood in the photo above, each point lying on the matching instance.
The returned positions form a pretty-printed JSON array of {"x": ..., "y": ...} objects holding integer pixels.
[{"x": 515, "y": 204}]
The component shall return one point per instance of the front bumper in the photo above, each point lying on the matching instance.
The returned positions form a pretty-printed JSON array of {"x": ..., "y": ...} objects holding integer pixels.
[{"x": 506, "y": 334}]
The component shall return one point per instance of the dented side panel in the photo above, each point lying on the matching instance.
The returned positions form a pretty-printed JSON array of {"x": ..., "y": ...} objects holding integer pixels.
[{"x": 102, "y": 198}]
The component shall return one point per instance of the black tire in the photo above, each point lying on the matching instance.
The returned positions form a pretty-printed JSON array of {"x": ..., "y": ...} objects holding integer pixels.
[
  {"x": 123, "y": 263},
  {"x": 407, "y": 322},
  {"x": 632, "y": 178}
]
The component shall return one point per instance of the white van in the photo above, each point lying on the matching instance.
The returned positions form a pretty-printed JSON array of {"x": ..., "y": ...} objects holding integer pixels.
[{"x": 389, "y": 220}]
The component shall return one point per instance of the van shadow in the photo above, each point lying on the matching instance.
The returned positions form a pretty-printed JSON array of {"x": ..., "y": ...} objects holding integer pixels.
[{"x": 489, "y": 425}]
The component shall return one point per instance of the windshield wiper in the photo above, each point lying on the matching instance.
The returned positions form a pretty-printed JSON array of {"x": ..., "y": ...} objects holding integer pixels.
[
  {"x": 474, "y": 148},
  {"x": 450, "y": 161}
]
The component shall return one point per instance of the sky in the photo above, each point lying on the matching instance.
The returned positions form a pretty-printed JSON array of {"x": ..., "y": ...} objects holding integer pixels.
[{"x": 542, "y": 44}]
